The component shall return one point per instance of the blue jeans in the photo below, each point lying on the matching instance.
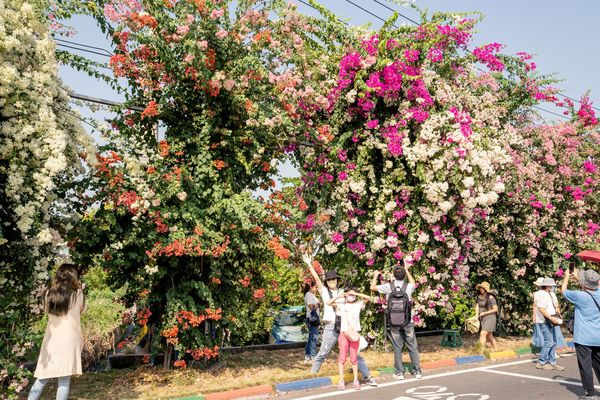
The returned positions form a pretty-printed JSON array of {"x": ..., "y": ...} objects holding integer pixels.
[
  {"x": 313, "y": 337},
  {"x": 548, "y": 352},
  {"x": 328, "y": 342},
  {"x": 398, "y": 336},
  {"x": 61, "y": 393}
]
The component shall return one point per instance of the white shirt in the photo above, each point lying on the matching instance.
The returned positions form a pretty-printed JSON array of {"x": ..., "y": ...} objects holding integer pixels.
[
  {"x": 309, "y": 299},
  {"x": 543, "y": 299},
  {"x": 328, "y": 312},
  {"x": 350, "y": 313},
  {"x": 386, "y": 289}
]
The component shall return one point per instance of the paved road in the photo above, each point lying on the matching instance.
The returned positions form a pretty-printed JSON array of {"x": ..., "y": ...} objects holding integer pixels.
[{"x": 510, "y": 380}]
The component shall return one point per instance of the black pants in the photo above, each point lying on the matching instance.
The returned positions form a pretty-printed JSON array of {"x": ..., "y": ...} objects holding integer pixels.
[{"x": 588, "y": 358}]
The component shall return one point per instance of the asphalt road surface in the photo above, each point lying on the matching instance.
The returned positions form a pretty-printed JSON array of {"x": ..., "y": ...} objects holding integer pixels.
[{"x": 510, "y": 380}]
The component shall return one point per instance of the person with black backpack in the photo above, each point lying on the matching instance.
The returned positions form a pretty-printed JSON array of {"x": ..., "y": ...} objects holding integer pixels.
[{"x": 400, "y": 328}]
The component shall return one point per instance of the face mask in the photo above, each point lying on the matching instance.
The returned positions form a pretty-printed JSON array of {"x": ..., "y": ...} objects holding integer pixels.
[{"x": 351, "y": 299}]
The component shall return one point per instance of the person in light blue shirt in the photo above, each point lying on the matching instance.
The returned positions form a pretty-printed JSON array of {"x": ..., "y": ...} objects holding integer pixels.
[{"x": 587, "y": 326}]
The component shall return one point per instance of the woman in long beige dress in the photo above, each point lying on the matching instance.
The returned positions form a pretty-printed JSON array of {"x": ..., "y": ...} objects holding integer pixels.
[{"x": 60, "y": 356}]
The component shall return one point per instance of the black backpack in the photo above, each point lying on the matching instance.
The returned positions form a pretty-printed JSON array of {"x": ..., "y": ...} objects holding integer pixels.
[{"x": 398, "y": 306}]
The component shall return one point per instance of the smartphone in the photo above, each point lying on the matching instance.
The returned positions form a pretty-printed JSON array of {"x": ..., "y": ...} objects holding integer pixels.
[{"x": 571, "y": 266}]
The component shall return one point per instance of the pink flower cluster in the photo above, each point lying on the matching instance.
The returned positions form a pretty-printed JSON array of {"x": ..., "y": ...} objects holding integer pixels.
[
  {"x": 487, "y": 55},
  {"x": 464, "y": 120},
  {"x": 586, "y": 113}
]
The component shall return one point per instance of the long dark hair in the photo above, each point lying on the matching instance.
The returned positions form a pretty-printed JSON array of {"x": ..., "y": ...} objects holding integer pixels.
[
  {"x": 63, "y": 290},
  {"x": 308, "y": 286}
]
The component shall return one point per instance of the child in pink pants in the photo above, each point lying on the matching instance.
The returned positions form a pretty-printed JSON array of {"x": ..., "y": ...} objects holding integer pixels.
[{"x": 350, "y": 313}]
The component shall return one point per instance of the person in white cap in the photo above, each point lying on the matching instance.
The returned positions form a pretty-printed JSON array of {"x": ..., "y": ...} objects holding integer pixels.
[
  {"x": 546, "y": 319},
  {"x": 587, "y": 326},
  {"x": 537, "y": 340}
]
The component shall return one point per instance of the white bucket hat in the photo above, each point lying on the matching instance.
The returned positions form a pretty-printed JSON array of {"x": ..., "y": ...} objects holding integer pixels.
[
  {"x": 548, "y": 282},
  {"x": 538, "y": 281}
]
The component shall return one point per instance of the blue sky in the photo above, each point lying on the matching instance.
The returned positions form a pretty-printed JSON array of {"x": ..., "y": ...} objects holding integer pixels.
[{"x": 562, "y": 36}]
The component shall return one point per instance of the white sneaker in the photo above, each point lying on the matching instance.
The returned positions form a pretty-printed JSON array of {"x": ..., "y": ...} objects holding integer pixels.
[
  {"x": 399, "y": 376},
  {"x": 418, "y": 374},
  {"x": 370, "y": 381}
]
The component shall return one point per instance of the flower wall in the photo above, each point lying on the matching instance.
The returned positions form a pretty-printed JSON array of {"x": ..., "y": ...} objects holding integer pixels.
[
  {"x": 43, "y": 150},
  {"x": 422, "y": 151},
  {"x": 549, "y": 213}
]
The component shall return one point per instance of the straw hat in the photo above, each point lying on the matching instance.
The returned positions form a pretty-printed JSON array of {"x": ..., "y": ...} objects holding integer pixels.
[{"x": 484, "y": 285}]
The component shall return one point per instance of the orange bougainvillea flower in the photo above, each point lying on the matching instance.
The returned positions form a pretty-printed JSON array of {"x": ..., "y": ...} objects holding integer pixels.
[
  {"x": 143, "y": 19},
  {"x": 163, "y": 148},
  {"x": 262, "y": 35},
  {"x": 219, "y": 164},
  {"x": 171, "y": 334},
  {"x": 211, "y": 59},
  {"x": 248, "y": 105},
  {"x": 325, "y": 133},
  {"x": 259, "y": 294},
  {"x": 180, "y": 364},
  {"x": 142, "y": 316},
  {"x": 279, "y": 250},
  {"x": 151, "y": 110},
  {"x": 245, "y": 281}
]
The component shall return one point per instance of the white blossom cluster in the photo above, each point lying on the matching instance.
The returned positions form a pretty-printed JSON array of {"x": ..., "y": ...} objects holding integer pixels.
[{"x": 41, "y": 139}]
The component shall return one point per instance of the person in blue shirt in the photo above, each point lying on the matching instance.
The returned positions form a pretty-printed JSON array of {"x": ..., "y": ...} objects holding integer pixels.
[{"x": 587, "y": 326}]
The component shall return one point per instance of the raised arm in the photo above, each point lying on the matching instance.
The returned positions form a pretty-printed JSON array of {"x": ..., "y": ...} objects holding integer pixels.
[
  {"x": 409, "y": 275},
  {"x": 366, "y": 297},
  {"x": 308, "y": 260},
  {"x": 373, "y": 286},
  {"x": 565, "y": 282}
]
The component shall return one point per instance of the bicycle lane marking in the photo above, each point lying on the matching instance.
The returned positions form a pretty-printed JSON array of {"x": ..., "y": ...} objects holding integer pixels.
[
  {"x": 413, "y": 381},
  {"x": 439, "y": 393}
]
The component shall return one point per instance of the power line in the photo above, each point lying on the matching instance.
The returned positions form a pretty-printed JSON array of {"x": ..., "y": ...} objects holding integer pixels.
[
  {"x": 551, "y": 112},
  {"x": 80, "y": 49},
  {"x": 105, "y": 102},
  {"x": 83, "y": 45},
  {"x": 365, "y": 10},
  {"x": 399, "y": 13}
]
